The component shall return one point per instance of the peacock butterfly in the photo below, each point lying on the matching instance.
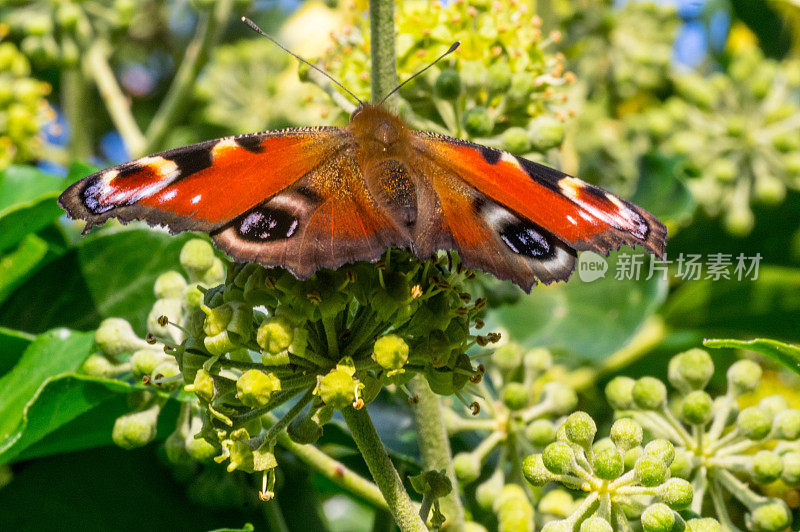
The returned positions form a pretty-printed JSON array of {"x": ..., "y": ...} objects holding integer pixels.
[{"x": 320, "y": 197}]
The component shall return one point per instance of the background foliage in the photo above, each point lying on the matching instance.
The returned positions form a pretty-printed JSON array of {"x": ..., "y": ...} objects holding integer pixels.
[{"x": 689, "y": 108}]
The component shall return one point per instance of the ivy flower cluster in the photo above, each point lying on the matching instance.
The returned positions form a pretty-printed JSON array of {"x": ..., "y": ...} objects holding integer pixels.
[
  {"x": 720, "y": 448},
  {"x": 623, "y": 479},
  {"x": 504, "y": 86},
  {"x": 246, "y": 341},
  {"x": 737, "y": 132},
  {"x": 23, "y": 108},
  {"x": 518, "y": 411}
]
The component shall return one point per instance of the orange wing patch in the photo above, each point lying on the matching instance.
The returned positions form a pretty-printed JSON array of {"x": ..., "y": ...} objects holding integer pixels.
[{"x": 202, "y": 186}]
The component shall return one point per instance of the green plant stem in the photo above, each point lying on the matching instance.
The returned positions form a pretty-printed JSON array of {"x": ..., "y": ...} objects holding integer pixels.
[
  {"x": 334, "y": 470},
  {"x": 382, "y": 469},
  {"x": 75, "y": 97},
  {"x": 177, "y": 100},
  {"x": 434, "y": 447},
  {"x": 274, "y": 517},
  {"x": 118, "y": 106},
  {"x": 384, "y": 64}
]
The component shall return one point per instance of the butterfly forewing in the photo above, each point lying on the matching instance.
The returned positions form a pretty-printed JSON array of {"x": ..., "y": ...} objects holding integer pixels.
[{"x": 203, "y": 186}]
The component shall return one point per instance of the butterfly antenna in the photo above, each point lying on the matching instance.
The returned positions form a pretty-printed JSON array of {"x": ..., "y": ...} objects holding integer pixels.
[
  {"x": 448, "y": 52},
  {"x": 255, "y": 28}
]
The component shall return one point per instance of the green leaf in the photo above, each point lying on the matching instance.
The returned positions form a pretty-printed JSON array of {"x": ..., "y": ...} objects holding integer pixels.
[
  {"x": 27, "y": 202},
  {"x": 109, "y": 273},
  {"x": 783, "y": 353},
  {"x": 589, "y": 320},
  {"x": 248, "y": 527},
  {"x": 743, "y": 309},
  {"x": 660, "y": 189},
  {"x": 12, "y": 345},
  {"x": 20, "y": 263}
]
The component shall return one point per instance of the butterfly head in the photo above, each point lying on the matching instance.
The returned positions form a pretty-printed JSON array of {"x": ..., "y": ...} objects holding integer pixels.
[{"x": 378, "y": 130}]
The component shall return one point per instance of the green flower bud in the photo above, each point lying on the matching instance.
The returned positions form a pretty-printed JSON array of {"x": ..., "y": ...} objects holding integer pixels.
[
  {"x": 477, "y": 122},
  {"x": 487, "y": 491},
  {"x": 217, "y": 320},
  {"x": 766, "y": 467},
  {"x": 631, "y": 455},
  {"x": 754, "y": 423},
  {"x": 175, "y": 447},
  {"x": 255, "y": 388},
  {"x": 200, "y": 450},
  {"x": 559, "y": 397},
  {"x": 774, "y": 404},
  {"x": 558, "y": 458},
  {"x": 769, "y": 189},
  {"x": 626, "y": 434},
  {"x": 744, "y": 376},
  {"x": 215, "y": 274},
  {"x": 219, "y": 344},
  {"x": 649, "y": 393},
  {"x": 115, "y": 336},
  {"x": 448, "y": 84},
  {"x": 545, "y": 132},
  {"x": 696, "y": 407},
  {"x": 651, "y": 470},
  {"x": 681, "y": 466},
  {"x": 339, "y": 388},
  {"x": 791, "y": 468},
  {"x": 703, "y": 524},
  {"x": 202, "y": 386},
  {"x": 580, "y": 428},
  {"x": 663, "y": 449},
  {"x": 305, "y": 429},
  {"x": 557, "y": 502},
  {"x": 596, "y": 524},
  {"x": 144, "y": 361},
  {"x": 658, "y": 518},
  {"x": 390, "y": 352},
  {"x": 619, "y": 392},
  {"x": 739, "y": 220},
  {"x": 723, "y": 170},
  {"x": 558, "y": 526},
  {"x": 167, "y": 368},
  {"x": 498, "y": 77},
  {"x": 467, "y": 467},
  {"x": 677, "y": 493},
  {"x": 515, "y": 140},
  {"x": 538, "y": 360},
  {"x": 535, "y": 471},
  {"x": 515, "y": 395},
  {"x": 772, "y": 516},
  {"x": 787, "y": 424},
  {"x": 472, "y": 526},
  {"x": 608, "y": 462},
  {"x": 540, "y": 432},
  {"x": 136, "y": 429},
  {"x": 97, "y": 366},
  {"x": 172, "y": 309},
  {"x": 691, "y": 370},
  {"x": 274, "y": 335},
  {"x": 514, "y": 510},
  {"x": 169, "y": 285},
  {"x": 196, "y": 258}
]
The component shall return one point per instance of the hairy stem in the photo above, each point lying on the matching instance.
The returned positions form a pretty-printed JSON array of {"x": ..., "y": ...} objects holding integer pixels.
[
  {"x": 384, "y": 66},
  {"x": 435, "y": 447},
  {"x": 382, "y": 469},
  {"x": 333, "y": 470}
]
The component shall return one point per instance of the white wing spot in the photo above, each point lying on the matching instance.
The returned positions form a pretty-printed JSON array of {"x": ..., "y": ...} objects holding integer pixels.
[
  {"x": 197, "y": 198},
  {"x": 572, "y": 220},
  {"x": 169, "y": 195}
]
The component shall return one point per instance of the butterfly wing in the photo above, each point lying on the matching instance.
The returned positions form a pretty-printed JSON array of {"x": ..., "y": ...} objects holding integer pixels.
[
  {"x": 292, "y": 198},
  {"x": 521, "y": 220}
]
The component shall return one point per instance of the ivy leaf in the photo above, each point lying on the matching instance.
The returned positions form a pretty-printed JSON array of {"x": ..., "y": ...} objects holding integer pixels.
[
  {"x": 107, "y": 274},
  {"x": 785, "y": 354},
  {"x": 589, "y": 319},
  {"x": 43, "y": 392},
  {"x": 20, "y": 263},
  {"x": 12, "y": 345},
  {"x": 27, "y": 202}
]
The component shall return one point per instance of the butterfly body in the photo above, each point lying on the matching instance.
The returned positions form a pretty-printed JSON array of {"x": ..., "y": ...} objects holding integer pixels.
[{"x": 311, "y": 198}]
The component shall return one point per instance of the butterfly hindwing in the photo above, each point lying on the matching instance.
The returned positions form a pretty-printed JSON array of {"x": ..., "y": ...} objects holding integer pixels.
[
  {"x": 326, "y": 219},
  {"x": 203, "y": 186}
]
